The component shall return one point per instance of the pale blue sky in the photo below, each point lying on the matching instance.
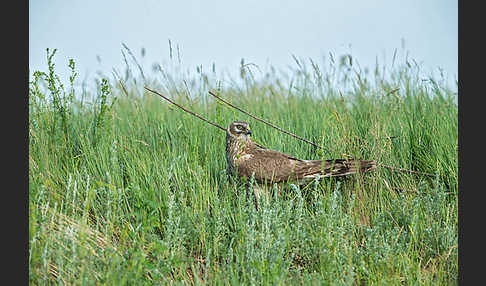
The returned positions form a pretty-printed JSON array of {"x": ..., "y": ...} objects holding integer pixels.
[{"x": 222, "y": 32}]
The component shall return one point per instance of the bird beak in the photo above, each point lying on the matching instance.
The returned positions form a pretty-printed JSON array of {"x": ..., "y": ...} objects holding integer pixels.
[{"x": 248, "y": 132}]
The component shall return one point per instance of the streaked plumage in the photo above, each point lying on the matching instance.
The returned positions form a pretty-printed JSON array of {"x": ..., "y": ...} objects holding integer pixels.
[{"x": 244, "y": 158}]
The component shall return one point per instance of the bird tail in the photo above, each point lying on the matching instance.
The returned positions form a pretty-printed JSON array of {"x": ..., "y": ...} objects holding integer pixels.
[
  {"x": 343, "y": 167},
  {"x": 312, "y": 169}
]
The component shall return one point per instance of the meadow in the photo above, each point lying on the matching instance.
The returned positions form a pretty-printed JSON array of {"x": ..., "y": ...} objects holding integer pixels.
[{"x": 126, "y": 189}]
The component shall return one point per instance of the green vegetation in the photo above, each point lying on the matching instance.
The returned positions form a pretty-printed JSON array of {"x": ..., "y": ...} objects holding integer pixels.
[{"x": 133, "y": 191}]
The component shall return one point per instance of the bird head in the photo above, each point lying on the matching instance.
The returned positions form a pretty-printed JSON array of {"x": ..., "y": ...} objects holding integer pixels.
[{"x": 239, "y": 130}]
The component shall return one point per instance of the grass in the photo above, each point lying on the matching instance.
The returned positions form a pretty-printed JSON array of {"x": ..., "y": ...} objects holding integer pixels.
[{"x": 125, "y": 189}]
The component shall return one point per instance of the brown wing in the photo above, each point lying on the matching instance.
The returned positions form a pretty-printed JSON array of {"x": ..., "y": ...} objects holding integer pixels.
[
  {"x": 268, "y": 165},
  {"x": 273, "y": 166}
]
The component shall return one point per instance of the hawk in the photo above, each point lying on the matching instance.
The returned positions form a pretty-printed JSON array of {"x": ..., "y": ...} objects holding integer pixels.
[{"x": 245, "y": 158}]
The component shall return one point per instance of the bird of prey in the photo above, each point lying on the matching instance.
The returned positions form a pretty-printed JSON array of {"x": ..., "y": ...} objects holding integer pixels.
[{"x": 245, "y": 158}]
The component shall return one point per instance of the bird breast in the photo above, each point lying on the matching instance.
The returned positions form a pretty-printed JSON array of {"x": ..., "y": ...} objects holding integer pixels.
[{"x": 235, "y": 152}]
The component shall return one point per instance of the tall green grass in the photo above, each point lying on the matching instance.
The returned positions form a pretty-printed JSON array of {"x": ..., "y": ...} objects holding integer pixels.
[{"x": 129, "y": 190}]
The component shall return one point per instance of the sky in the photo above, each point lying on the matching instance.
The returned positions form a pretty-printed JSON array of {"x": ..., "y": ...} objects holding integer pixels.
[{"x": 223, "y": 32}]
